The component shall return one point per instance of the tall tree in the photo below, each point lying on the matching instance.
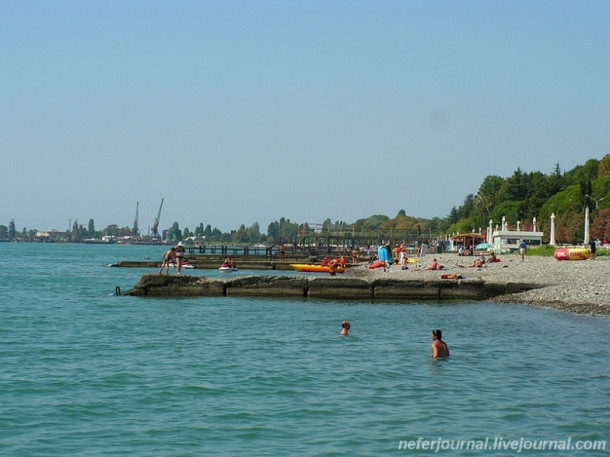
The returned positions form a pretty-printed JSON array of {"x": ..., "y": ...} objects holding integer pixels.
[
  {"x": 174, "y": 233},
  {"x": 604, "y": 167},
  {"x": 487, "y": 197}
]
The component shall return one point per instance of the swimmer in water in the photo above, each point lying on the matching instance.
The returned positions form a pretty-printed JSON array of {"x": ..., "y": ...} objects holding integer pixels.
[
  {"x": 439, "y": 347},
  {"x": 345, "y": 328}
]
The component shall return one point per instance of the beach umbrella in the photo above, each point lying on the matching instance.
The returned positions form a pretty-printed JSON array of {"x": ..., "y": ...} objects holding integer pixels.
[{"x": 483, "y": 246}]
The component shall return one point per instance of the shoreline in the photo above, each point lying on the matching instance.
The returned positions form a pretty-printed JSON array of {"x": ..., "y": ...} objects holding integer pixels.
[
  {"x": 572, "y": 286},
  {"x": 577, "y": 286}
]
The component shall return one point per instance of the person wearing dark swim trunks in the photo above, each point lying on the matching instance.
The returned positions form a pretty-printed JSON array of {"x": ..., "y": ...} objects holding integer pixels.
[
  {"x": 168, "y": 258},
  {"x": 439, "y": 347}
]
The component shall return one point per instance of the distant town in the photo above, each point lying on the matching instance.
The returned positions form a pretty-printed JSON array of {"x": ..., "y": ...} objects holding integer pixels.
[{"x": 573, "y": 200}]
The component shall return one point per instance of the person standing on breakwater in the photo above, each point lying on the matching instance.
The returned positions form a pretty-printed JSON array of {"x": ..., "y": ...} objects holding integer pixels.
[
  {"x": 345, "y": 326},
  {"x": 522, "y": 248},
  {"x": 439, "y": 347},
  {"x": 168, "y": 258},
  {"x": 179, "y": 256}
]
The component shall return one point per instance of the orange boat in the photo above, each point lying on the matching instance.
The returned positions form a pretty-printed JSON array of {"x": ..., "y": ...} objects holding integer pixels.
[{"x": 312, "y": 268}]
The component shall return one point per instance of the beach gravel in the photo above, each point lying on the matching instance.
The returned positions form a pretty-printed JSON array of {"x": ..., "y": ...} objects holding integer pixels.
[{"x": 580, "y": 286}]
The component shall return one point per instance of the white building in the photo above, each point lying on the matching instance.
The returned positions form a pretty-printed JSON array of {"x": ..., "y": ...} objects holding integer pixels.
[{"x": 505, "y": 240}]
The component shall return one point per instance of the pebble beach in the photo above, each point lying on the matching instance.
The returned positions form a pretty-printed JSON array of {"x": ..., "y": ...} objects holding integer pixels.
[{"x": 579, "y": 286}]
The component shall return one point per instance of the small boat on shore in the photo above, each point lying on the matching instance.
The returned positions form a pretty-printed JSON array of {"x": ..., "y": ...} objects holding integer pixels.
[{"x": 312, "y": 268}]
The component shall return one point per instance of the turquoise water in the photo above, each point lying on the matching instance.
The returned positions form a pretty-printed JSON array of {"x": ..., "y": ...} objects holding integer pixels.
[{"x": 87, "y": 373}]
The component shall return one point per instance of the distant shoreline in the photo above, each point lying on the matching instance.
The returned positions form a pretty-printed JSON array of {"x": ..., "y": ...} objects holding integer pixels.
[{"x": 578, "y": 286}]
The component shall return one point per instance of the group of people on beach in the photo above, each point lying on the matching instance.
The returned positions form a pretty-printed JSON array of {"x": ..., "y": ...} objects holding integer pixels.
[
  {"x": 480, "y": 262},
  {"x": 334, "y": 264},
  {"x": 434, "y": 265},
  {"x": 173, "y": 256},
  {"x": 439, "y": 347}
]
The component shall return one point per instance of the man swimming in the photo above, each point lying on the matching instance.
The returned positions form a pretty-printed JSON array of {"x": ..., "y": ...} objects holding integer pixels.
[
  {"x": 439, "y": 347},
  {"x": 345, "y": 326}
]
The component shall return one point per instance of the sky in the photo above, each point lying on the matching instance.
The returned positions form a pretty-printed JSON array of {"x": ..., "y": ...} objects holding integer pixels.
[{"x": 247, "y": 111}]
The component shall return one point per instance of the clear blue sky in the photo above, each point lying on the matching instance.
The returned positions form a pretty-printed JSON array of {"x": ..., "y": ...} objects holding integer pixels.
[{"x": 238, "y": 112}]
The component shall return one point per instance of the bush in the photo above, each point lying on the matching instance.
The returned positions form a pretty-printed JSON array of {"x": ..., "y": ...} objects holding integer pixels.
[
  {"x": 602, "y": 252},
  {"x": 542, "y": 251}
]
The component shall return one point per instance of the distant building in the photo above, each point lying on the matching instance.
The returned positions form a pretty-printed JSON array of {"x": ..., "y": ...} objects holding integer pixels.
[
  {"x": 52, "y": 235},
  {"x": 506, "y": 240},
  {"x": 466, "y": 241}
]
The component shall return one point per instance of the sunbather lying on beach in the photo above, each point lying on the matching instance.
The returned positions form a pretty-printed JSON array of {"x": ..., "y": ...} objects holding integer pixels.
[
  {"x": 477, "y": 264},
  {"x": 433, "y": 266},
  {"x": 452, "y": 276}
]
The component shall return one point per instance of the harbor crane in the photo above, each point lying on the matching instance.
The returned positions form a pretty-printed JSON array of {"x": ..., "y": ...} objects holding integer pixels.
[
  {"x": 155, "y": 227},
  {"x": 135, "y": 230}
]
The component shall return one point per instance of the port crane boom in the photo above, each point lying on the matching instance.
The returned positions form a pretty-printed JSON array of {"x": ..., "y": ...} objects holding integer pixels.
[
  {"x": 155, "y": 227},
  {"x": 136, "y": 231}
]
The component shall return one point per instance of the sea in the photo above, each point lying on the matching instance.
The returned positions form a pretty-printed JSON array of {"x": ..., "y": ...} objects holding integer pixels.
[{"x": 85, "y": 371}]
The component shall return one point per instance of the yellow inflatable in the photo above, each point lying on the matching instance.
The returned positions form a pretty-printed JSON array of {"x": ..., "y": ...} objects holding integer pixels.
[{"x": 572, "y": 253}]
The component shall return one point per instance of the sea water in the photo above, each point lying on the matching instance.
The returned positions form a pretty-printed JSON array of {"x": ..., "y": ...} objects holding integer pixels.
[{"x": 84, "y": 372}]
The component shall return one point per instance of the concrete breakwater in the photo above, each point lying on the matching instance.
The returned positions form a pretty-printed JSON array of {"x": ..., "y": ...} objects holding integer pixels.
[{"x": 156, "y": 285}]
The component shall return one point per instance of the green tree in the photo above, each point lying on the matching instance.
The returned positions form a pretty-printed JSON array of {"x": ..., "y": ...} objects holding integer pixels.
[
  {"x": 371, "y": 223},
  {"x": 604, "y": 167},
  {"x": 91, "y": 228},
  {"x": 111, "y": 230},
  {"x": 586, "y": 189},
  {"x": 556, "y": 182},
  {"x": 508, "y": 209},
  {"x": 513, "y": 188},
  {"x": 453, "y": 217},
  {"x": 487, "y": 197},
  {"x": 174, "y": 233},
  {"x": 468, "y": 208},
  {"x": 240, "y": 236},
  {"x": 253, "y": 233},
  {"x": 11, "y": 230},
  {"x": 582, "y": 172},
  {"x": 3, "y": 231}
]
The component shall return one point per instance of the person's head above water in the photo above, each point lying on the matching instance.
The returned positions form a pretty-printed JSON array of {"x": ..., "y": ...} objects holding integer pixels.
[
  {"x": 438, "y": 334},
  {"x": 345, "y": 325}
]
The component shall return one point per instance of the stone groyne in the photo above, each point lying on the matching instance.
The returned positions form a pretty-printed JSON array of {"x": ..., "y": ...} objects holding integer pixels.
[{"x": 338, "y": 288}]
